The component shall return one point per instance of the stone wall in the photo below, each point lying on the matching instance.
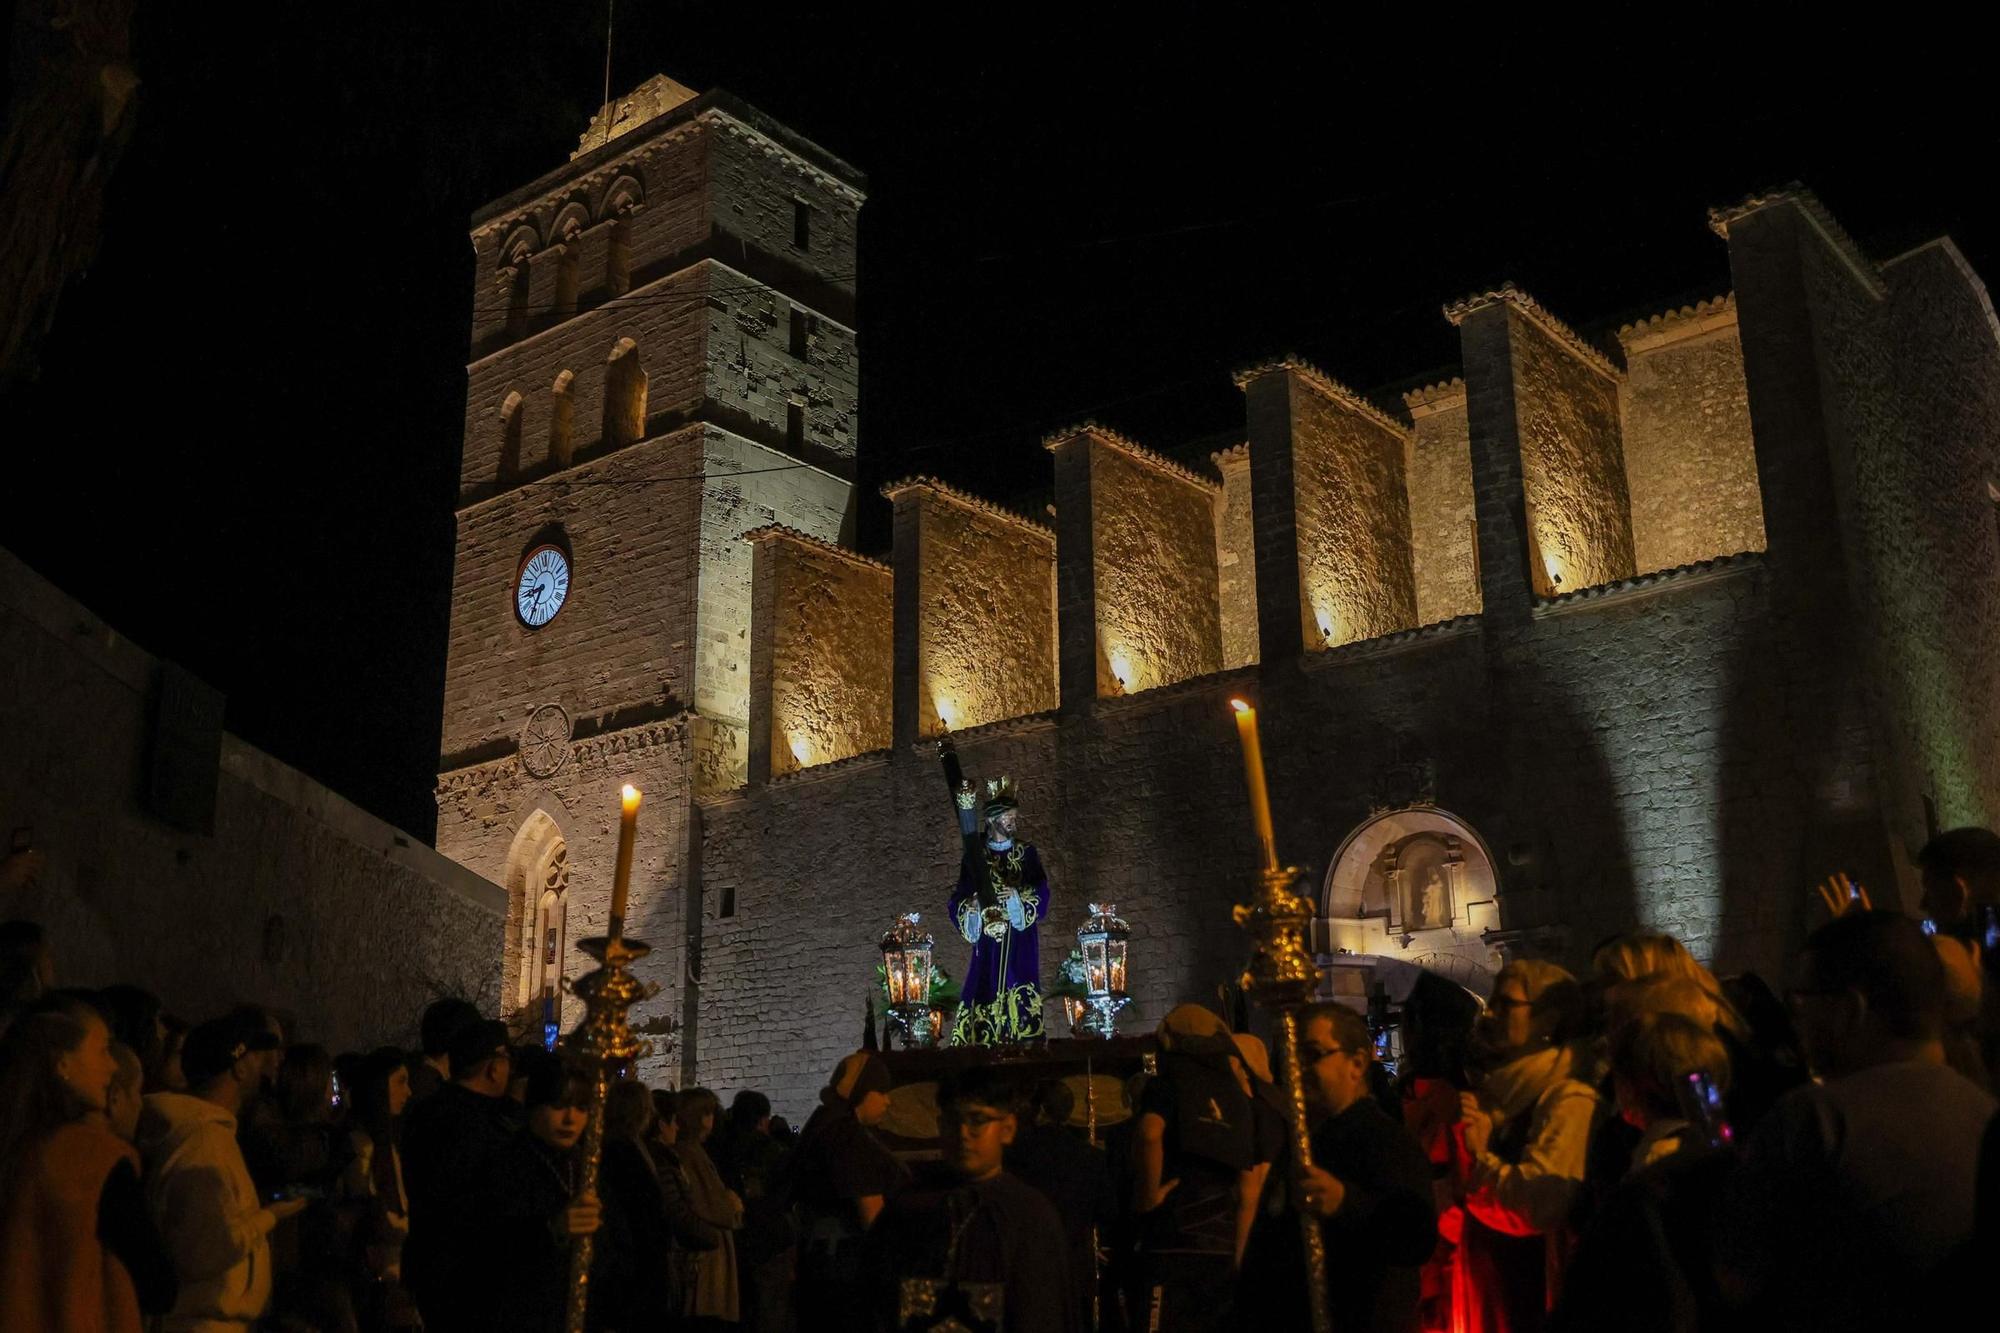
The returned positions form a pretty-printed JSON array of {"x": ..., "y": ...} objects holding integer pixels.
[
  {"x": 294, "y": 898},
  {"x": 1443, "y": 521},
  {"x": 665, "y": 322},
  {"x": 617, "y": 642},
  {"x": 1236, "y": 559},
  {"x": 747, "y": 486},
  {"x": 821, "y": 629},
  {"x": 753, "y": 375},
  {"x": 1152, "y": 613},
  {"x": 1572, "y": 470},
  {"x": 982, "y": 590},
  {"x": 488, "y": 812},
  {"x": 1690, "y": 465},
  {"x": 1355, "y": 576}
]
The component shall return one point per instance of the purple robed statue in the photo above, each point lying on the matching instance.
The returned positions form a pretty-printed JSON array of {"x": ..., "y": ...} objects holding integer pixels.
[{"x": 1002, "y": 895}]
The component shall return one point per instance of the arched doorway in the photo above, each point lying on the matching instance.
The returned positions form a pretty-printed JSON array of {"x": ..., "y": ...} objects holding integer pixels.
[
  {"x": 537, "y": 884},
  {"x": 1417, "y": 886}
]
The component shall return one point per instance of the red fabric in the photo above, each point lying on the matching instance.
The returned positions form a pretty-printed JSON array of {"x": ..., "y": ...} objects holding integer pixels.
[{"x": 55, "y": 1276}]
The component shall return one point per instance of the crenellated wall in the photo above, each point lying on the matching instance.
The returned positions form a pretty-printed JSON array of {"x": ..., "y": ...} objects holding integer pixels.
[
  {"x": 1138, "y": 581},
  {"x": 1336, "y": 465},
  {"x": 1236, "y": 558},
  {"x": 820, "y": 630},
  {"x": 1564, "y": 399},
  {"x": 1690, "y": 464},
  {"x": 1444, "y": 541},
  {"x": 980, "y": 628}
]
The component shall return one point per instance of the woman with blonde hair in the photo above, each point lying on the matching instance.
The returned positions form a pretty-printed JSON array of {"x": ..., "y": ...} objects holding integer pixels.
[
  {"x": 1526, "y": 1133},
  {"x": 1629, "y": 958},
  {"x": 1657, "y": 974}
]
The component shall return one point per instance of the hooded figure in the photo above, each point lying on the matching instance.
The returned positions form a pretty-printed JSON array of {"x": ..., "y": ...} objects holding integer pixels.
[{"x": 840, "y": 1176}]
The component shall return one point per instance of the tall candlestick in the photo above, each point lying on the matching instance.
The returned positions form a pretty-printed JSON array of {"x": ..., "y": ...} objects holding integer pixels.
[
  {"x": 1253, "y": 773},
  {"x": 621, "y": 881}
]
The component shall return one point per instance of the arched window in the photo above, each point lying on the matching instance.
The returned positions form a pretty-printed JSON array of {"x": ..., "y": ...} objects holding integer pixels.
[
  {"x": 517, "y": 299},
  {"x": 537, "y": 883},
  {"x": 618, "y": 260},
  {"x": 624, "y": 396},
  {"x": 566, "y": 281},
  {"x": 561, "y": 405},
  {"x": 510, "y": 437}
]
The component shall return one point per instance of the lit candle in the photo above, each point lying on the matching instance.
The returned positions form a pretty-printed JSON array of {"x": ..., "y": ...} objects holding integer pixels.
[
  {"x": 1253, "y": 773},
  {"x": 621, "y": 882}
]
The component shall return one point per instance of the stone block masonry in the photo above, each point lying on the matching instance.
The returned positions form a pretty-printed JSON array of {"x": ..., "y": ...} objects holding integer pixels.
[
  {"x": 1579, "y": 611},
  {"x": 294, "y": 898}
]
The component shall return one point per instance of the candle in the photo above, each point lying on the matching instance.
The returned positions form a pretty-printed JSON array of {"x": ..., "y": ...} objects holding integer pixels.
[
  {"x": 1253, "y": 773},
  {"x": 621, "y": 883}
]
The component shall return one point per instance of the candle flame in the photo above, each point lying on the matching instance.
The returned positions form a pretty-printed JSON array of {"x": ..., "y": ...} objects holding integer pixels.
[
  {"x": 1239, "y": 705},
  {"x": 630, "y": 794}
]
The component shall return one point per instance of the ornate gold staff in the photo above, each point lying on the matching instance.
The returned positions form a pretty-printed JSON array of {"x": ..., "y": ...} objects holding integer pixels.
[
  {"x": 1282, "y": 976},
  {"x": 603, "y": 1041}
]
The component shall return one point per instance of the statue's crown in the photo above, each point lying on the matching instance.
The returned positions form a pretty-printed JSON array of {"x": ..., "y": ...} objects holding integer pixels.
[{"x": 1000, "y": 795}]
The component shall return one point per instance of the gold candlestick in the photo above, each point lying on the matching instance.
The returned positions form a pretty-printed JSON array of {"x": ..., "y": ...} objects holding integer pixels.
[
  {"x": 601, "y": 1042},
  {"x": 1282, "y": 976}
]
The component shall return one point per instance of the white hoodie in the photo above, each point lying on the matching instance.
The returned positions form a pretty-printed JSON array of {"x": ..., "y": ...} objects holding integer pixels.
[{"x": 202, "y": 1200}]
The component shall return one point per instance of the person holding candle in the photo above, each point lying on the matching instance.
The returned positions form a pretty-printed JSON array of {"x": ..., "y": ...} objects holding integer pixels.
[{"x": 1002, "y": 894}]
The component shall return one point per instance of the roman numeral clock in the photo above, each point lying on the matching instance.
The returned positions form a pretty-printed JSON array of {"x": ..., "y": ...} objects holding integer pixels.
[{"x": 543, "y": 586}]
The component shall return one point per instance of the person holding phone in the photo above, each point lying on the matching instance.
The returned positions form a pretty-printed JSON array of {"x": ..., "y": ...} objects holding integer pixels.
[
  {"x": 1645, "y": 1261},
  {"x": 198, "y": 1187}
]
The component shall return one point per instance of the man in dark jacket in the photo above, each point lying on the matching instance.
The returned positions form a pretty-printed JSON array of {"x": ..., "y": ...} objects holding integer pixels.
[
  {"x": 450, "y": 1144},
  {"x": 1369, "y": 1186},
  {"x": 972, "y": 1243}
]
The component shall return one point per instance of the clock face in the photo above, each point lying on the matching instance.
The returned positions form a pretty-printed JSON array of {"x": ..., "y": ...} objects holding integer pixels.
[{"x": 543, "y": 585}]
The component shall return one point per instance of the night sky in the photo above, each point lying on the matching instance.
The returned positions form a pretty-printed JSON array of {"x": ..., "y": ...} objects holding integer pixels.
[{"x": 243, "y": 449}]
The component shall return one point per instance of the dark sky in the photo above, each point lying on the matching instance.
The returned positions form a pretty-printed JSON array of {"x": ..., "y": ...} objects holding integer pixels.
[{"x": 244, "y": 447}]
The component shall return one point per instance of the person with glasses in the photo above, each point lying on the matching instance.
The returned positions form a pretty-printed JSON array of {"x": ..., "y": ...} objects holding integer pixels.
[
  {"x": 1856, "y": 1190},
  {"x": 1526, "y": 1135},
  {"x": 1369, "y": 1186},
  {"x": 971, "y": 1245}
]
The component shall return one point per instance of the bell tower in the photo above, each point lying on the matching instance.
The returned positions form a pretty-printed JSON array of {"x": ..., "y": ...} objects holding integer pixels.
[{"x": 663, "y": 358}]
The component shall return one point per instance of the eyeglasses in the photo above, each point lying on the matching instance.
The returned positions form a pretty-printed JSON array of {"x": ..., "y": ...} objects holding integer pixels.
[{"x": 1315, "y": 1054}]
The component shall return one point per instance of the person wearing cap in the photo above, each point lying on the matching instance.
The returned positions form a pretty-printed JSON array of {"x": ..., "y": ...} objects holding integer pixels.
[
  {"x": 970, "y": 1239},
  {"x": 841, "y": 1175},
  {"x": 450, "y": 1143},
  {"x": 198, "y": 1188},
  {"x": 1194, "y": 1154}
]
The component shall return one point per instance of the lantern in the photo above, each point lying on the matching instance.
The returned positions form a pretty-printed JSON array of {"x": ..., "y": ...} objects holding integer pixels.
[
  {"x": 906, "y": 968},
  {"x": 1102, "y": 941}
]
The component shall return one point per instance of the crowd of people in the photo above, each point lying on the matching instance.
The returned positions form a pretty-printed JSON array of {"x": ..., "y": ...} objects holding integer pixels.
[{"x": 1644, "y": 1146}]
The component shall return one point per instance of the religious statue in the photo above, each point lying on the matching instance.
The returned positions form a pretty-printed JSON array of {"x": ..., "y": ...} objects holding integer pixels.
[{"x": 1002, "y": 894}]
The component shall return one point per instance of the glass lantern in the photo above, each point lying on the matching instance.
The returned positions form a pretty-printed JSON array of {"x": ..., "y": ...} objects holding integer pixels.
[
  {"x": 906, "y": 964},
  {"x": 1102, "y": 940}
]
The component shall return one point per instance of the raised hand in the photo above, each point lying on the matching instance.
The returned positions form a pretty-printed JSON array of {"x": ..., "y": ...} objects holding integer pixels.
[{"x": 1842, "y": 894}]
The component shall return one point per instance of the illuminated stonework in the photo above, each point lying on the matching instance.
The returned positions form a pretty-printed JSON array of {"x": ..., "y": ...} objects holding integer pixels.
[
  {"x": 1153, "y": 579},
  {"x": 820, "y": 636},
  {"x": 986, "y": 607}
]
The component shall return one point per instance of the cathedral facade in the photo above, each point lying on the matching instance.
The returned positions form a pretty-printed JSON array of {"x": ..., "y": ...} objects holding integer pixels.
[{"x": 1652, "y": 629}]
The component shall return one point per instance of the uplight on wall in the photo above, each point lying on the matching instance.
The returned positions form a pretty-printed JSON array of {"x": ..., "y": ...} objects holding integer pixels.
[
  {"x": 1121, "y": 670},
  {"x": 947, "y": 714},
  {"x": 802, "y": 751}
]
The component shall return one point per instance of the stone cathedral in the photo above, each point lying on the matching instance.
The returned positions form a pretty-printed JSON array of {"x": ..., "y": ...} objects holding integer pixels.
[{"x": 1651, "y": 627}]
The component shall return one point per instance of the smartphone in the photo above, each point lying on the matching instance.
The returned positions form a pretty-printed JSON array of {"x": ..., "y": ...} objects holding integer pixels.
[
  {"x": 1702, "y": 1108},
  {"x": 338, "y": 1099},
  {"x": 1989, "y": 927},
  {"x": 287, "y": 1192}
]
